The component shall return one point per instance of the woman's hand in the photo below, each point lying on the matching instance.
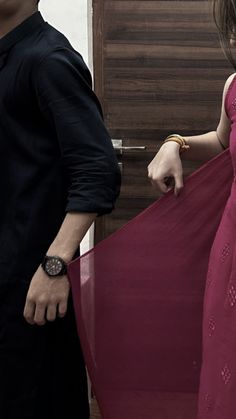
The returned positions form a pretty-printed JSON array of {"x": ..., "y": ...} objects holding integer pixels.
[{"x": 165, "y": 165}]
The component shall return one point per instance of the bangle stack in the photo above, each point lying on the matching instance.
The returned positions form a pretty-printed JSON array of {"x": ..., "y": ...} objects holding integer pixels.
[{"x": 178, "y": 139}]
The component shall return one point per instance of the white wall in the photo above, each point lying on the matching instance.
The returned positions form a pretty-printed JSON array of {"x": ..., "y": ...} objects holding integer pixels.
[{"x": 74, "y": 19}]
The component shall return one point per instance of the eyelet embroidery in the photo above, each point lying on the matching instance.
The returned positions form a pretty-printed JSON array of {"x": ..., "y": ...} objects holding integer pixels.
[
  {"x": 234, "y": 104},
  {"x": 208, "y": 402},
  {"x": 226, "y": 374},
  {"x": 211, "y": 327},
  {"x": 225, "y": 252},
  {"x": 232, "y": 294}
]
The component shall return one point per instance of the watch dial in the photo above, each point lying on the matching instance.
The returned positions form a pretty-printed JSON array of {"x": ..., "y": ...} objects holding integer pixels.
[{"x": 53, "y": 266}]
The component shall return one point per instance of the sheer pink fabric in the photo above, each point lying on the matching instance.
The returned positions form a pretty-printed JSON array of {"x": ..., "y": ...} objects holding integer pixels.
[{"x": 138, "y": 299}]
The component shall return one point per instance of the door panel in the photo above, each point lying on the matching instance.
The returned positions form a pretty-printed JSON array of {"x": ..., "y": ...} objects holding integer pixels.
[{"x": 158, "y": 70}]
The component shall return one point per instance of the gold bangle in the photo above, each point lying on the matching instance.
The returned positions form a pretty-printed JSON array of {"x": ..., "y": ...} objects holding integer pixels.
[{"x": 178, "y": 139}]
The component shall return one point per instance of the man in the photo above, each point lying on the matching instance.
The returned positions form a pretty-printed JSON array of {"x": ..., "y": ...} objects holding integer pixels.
[{"x": 57, "y": 173}]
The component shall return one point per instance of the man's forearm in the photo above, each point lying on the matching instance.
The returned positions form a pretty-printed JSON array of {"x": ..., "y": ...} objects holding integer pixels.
[{"x": 71, "y": 233}]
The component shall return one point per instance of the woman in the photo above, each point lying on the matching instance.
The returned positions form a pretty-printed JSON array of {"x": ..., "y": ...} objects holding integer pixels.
[{"x": 217, "y": 399}]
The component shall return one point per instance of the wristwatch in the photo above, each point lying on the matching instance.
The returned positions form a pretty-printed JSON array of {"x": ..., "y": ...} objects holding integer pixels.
[{"x": 54, "y": 266}]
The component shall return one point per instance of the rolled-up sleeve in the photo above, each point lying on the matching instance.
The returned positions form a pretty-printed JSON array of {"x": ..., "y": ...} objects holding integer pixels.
[{"x": 64, "y": 92}]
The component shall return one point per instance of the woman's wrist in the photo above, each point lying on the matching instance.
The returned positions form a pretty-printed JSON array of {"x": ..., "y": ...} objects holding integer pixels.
[
  {"x": 171, "y": 145},
  {"x": 178, "y": 139}
]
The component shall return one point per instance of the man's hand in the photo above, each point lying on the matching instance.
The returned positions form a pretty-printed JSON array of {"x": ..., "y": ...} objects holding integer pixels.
[{"x": 46, "y": 299}]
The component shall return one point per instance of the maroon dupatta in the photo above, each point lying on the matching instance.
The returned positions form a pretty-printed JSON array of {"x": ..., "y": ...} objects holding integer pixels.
[{"x": 138, "y": 299}]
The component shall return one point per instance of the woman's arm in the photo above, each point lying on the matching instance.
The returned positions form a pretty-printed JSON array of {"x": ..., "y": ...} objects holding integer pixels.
[
  {"x": 204, "y": 147},
  {"x": 167, "y": 162}
]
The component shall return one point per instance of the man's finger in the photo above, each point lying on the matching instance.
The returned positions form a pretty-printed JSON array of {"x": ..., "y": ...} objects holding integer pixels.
[
  {"x": 62, "y": 308},
  {"x": 39, "y": 315},
  {"x": 29, "y": 311},
  {"x": 51, "y": 312}
]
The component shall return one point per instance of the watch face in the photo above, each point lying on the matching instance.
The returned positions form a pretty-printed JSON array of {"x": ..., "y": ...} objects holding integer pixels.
[{"x": 53, "y": 266}]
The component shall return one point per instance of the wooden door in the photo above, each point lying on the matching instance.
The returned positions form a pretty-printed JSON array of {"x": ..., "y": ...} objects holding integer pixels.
[{"x": 158, "y": 70}]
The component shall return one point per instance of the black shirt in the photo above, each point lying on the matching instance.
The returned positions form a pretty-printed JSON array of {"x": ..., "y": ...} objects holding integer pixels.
[{"x": 56, "y": 154}]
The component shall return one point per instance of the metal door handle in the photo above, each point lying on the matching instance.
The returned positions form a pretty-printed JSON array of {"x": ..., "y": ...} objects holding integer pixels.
[
  {"x": 118, "y": 146},
  {"x": 135, "y": 148}
]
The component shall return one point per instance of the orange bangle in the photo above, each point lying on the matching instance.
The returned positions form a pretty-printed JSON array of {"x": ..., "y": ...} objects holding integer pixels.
[{"x": 179, "y": 140}]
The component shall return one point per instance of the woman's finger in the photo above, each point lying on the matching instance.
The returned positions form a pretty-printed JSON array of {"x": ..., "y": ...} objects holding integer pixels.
[
  {"x": 178, "y": 183},
  {"x": 160, "y": 185}
]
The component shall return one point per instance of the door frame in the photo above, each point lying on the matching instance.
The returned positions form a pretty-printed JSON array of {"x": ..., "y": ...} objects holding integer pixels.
[{"x": 98, "y": 75}]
